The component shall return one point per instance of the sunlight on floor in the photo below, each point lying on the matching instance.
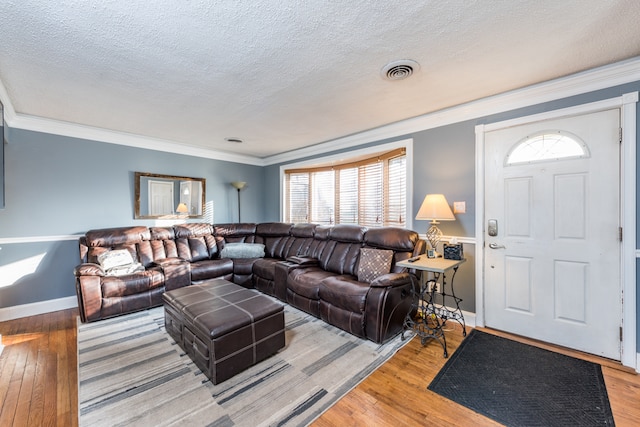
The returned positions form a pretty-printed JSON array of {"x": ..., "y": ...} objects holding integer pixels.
[{"x": 20, "y": 338}]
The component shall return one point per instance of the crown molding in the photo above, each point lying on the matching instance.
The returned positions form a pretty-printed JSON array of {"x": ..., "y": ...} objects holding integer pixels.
[
  {"x": 587, "y": 81},
  {"x": 73, "y": 130}
]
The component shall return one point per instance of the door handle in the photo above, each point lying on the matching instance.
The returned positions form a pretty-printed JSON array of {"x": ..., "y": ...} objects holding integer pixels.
[{"x": 496, "y": 246}]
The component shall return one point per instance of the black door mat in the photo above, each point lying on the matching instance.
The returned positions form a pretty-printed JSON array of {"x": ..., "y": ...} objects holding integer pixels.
[{"x": 520, "y": 385}]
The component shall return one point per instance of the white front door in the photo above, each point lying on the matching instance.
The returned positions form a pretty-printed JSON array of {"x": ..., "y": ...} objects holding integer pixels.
[{"x": 552, "y": 248}]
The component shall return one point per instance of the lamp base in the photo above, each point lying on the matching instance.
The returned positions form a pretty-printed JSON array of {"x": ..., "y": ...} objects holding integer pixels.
[{"x": 434, "y": 235}]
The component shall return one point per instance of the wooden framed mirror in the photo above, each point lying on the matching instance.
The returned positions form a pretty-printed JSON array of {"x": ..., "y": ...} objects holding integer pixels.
[{"x": 168, "y": 197}]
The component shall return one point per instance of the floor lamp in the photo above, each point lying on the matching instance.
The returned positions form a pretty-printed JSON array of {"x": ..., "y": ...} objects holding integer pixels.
[{"x": 238, "y": 185}]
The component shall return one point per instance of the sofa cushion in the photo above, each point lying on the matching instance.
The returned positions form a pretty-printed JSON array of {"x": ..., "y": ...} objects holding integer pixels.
[
  {"x": 234, "y": 233},
  {"x": 344, "y": 292},
  {"x": 374, "y": 263},
  {"x": 242, "y": 250},
  {"x": 265, "y": 268},
  {"x": 347, "y": 233},
  {"x": 342, "y": 259},
  {"x": 162, "y": 244},
  {"x": 109, "y": 237},
  {"x": 306, "y": 281},
  {"x": 276, "y": 246},
  {"x": 211, "y": 269},
  {"x": 117, "y": 287},
  {"x": 301, "y": 240},
  {"x": 394, "y": 238},
  {"x": 191, "y": 230}
]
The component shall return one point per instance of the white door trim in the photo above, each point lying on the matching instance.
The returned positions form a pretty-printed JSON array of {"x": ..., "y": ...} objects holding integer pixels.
[{"x": 627, "y": 103}]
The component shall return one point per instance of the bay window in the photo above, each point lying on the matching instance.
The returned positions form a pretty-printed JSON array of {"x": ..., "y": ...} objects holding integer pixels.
[{"x": 369, "y": 192}]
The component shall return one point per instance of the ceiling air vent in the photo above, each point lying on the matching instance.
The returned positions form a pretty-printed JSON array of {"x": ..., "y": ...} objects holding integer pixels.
[{"x": 399, "y": 70}]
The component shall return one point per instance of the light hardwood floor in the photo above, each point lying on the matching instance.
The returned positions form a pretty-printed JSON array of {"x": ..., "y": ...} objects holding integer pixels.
[{"x": 38, "y": 382}]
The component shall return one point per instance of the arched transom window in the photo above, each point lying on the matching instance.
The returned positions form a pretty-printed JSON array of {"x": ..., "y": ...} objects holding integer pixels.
[{"x": 547, "y": 146}]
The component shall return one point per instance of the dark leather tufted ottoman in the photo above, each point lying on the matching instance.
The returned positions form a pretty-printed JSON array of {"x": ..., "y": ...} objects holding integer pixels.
[{"x": 223, "y": 327}]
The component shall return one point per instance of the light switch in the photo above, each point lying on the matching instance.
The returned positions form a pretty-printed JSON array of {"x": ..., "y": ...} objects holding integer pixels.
[{"x": 459, "y": 207}]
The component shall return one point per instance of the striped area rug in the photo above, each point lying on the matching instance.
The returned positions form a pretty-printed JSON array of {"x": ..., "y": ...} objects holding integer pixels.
[{"x": 131, "y": 373}]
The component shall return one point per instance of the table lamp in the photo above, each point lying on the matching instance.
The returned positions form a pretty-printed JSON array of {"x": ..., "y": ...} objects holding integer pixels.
[{"x": 435, "y": 208}]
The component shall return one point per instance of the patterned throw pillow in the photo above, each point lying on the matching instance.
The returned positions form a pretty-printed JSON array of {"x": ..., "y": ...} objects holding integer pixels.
[{"x": 373, "y": 263}]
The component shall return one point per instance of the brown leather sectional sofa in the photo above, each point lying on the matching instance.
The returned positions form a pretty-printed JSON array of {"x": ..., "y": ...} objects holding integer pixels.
[{"x": 314, "y": 268}]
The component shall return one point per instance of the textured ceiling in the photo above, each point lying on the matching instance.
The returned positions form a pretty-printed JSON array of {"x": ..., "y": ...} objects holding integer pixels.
[{"x": 289, "y": 74}]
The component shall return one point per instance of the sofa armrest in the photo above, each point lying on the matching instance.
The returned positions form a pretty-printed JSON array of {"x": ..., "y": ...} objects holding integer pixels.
[
  {"x": 388, "y": 303},
  {"x": 89, "y": 292},
  {"x": 281, "y": 274},
  {"x": 88, "y": 269},
  {"x": 392, "y": 280}
]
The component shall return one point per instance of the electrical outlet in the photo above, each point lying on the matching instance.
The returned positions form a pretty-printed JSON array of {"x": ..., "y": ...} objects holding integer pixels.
[{"x": 459, "y": 207}]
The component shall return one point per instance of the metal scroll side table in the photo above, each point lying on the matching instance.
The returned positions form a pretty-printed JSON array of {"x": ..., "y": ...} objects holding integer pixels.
[{"x": 429, "y": 310}]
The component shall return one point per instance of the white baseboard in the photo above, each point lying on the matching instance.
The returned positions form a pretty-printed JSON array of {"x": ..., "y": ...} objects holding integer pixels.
[
  {"x": 25, "y": 310},
  {"x": 469, "y": 318},
  {"x": 638, "y": 363}
]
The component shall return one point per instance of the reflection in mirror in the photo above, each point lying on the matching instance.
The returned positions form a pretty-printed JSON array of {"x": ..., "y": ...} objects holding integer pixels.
[{"x": 167, "y": 197}]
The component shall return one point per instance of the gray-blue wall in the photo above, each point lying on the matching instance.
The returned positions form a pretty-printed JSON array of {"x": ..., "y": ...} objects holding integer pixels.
[{"x": 60, "y": 186}]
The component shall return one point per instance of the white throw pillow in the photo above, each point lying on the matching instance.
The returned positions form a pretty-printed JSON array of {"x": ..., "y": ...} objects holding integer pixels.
[
  {"x": 242, "y": 250},
  {"x": 117, "y": 258}
]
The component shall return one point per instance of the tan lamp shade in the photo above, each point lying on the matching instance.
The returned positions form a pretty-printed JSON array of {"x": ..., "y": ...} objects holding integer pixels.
[
  {"x": 238, "y": 185},
  {"x": 435, "y": 208},
  {"x": 182, "y": 208}
]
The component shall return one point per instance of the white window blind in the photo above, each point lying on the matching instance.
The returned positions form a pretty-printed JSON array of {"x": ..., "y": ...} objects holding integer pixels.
[
  {"x": 396, "y": 208},
  {"x": 370, "y": 195},
  {"x": 298, "y": 197},
  {"x": 347, "y": 187},
  {"x": 322, "y": 198},
  {"x": 370, "y": 192}
]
